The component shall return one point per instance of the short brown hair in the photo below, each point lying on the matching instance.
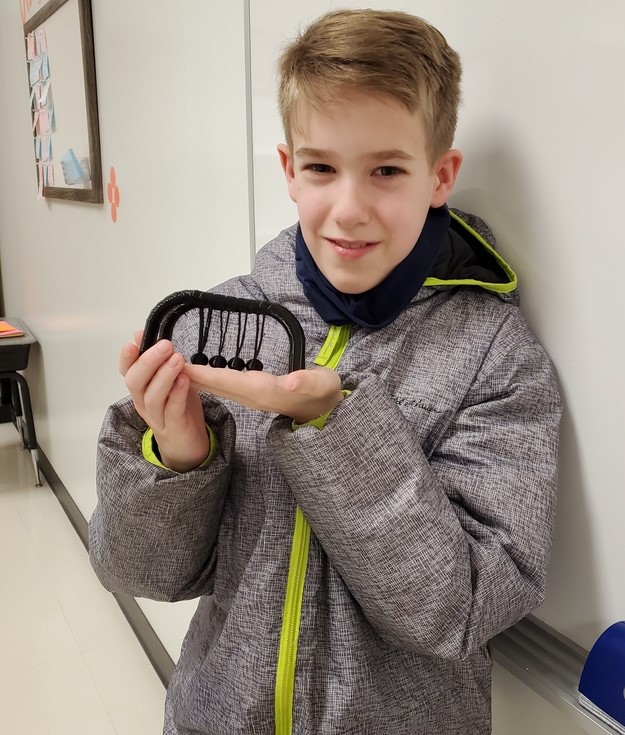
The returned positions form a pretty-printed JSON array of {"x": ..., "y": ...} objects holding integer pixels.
[{"x": 389, "y": 53}]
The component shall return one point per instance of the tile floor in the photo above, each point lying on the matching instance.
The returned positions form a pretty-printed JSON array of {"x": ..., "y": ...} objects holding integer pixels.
[{"x": 69, "y": 662}]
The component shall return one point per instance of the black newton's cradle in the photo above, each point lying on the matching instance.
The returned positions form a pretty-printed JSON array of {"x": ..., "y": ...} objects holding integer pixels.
[{"x": 164, "y": 316}]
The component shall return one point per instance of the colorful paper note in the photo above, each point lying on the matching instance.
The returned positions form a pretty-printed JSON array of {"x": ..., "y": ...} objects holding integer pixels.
[
  {"x": 43, "y": 93},
  {"x": 73, "y": 172},
  {"x": 35, "y": 71},
  {"x": 42, "y": 43},
  {"x": 30, "y": 46},
  {"x": 43, "y": 122},
  {"x": 45, "y": 67},
  {"x": 8, "y": 330},
  {"x": 46, "y": 148}
]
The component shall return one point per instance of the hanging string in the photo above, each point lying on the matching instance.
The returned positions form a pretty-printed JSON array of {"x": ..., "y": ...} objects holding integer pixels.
[
  {"x": 236, "y": 363},
  {"x": 255, "y": 363},
  {"x": 219, "y": 360},
  {"x": 200, "y": 358}
]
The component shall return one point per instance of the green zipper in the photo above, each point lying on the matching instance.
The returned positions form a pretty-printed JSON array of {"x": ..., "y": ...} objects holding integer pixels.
[
  {"x": 334, "y": 347},
  {"x": 329, "y": 357}
]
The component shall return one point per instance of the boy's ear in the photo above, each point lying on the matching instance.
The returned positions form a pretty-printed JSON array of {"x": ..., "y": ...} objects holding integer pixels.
[
  {"x": 287, "y": 166},
  {"x": 446, "y": 171}
]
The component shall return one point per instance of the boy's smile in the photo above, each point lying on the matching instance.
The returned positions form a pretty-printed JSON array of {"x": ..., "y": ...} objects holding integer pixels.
[
  {"x": 351, "y": 248},
  {"x": 363, "y": 185}
]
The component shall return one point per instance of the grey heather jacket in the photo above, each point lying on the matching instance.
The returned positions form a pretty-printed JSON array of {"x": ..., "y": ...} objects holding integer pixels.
[{"x": 430, "y": 495}]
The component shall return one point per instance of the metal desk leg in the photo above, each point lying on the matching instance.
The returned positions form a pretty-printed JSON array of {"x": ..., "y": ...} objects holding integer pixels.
[
  {"x": 30, "y": 426},
  {"x": 30, "y": 441},
  {"x": 18, "y": 414}
]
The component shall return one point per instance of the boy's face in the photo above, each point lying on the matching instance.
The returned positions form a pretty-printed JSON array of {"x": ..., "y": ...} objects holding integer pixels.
[{"x": 360, "y": 176}]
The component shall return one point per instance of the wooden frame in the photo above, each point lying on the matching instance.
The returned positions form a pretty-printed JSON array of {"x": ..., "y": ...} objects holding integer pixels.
[{"x": 89, "y": 189}]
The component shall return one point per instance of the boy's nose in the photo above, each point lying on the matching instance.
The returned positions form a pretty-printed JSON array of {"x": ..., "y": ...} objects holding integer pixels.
[{"x": 350, "y": 207}]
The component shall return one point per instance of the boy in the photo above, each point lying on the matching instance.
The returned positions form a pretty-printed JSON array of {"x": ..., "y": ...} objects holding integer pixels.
[{"x": 365, "y": 527}]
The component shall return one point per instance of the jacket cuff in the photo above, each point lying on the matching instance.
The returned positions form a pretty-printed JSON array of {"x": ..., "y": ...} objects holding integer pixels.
[
  {"x": 320, "y": 421},
  {"x": 149, "y": 449}
]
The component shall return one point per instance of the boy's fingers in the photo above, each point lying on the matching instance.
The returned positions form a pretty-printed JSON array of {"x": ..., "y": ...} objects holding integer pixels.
[
  {"x": 219, "y": 381},
  {"x": 127, "y": 357},
  {"x": 300, "y": 393},
  {"x": 159, "y": 387},
  {"x": 253, "y": 389},
  {"x": 130, "y": 352},
  {"x": 176, "y": 405},
  {"x": 142, "y": 369},
  {"x": 314, "y": 382}
]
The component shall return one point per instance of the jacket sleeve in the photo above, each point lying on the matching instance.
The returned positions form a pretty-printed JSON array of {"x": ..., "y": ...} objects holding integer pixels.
[
  {"x": 153, "y": 533},
  {"x": 440, "y": 553}
]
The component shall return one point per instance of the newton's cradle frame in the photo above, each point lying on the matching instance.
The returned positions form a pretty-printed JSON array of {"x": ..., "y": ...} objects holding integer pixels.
[{"x": 164, "y": 316}]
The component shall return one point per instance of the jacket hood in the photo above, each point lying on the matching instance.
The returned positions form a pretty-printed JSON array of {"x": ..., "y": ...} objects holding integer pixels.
[{"x": 469, "y": 258}]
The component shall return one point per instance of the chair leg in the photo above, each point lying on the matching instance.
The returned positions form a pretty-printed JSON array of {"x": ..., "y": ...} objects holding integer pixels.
[
  {"x": 27, "y": 416},
  {"x": 16, "y": 411},
  {"x": 34, "y": 453}
]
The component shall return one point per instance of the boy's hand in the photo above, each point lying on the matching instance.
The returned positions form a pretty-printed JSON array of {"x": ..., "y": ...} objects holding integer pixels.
[
  {"x": 163, "y": 397},
  {"x": 303, "y": 395}
]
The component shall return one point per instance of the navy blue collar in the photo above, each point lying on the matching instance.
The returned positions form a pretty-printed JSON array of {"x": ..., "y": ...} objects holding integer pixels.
[{"x": 382, "y": 304}]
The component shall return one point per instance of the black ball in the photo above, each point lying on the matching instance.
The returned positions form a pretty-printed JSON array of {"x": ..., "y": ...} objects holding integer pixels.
[
  {"x": 236, "y": 363},
  {"x": 218, "y": 361},
  {"x": 254, "y": 364},
  {"x": 199, "y": 359}
]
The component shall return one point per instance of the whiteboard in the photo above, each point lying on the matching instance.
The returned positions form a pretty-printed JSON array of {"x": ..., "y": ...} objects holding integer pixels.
[{"x": 540, "y": 127}]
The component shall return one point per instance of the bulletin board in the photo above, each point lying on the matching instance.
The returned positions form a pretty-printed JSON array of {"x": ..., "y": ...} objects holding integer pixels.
[{"x": 62, "y": 86}]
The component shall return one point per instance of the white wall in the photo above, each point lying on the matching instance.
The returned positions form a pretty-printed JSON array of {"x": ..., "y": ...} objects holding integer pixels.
[
  {"x": 171, "y": 88},
  {"x": 518, "y": 710}
]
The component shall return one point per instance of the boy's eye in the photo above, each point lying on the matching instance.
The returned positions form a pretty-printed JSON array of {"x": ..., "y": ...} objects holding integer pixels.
[
  {"x": 388, "y": 171},
  {"x": 319, "y": 168}
]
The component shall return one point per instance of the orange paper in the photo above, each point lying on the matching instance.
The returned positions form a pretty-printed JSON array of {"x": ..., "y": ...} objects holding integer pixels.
[{"x": 8, "y": 330}]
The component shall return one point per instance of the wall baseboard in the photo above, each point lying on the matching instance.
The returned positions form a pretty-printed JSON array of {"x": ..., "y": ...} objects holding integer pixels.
[{"x": 150, "y": 642}]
